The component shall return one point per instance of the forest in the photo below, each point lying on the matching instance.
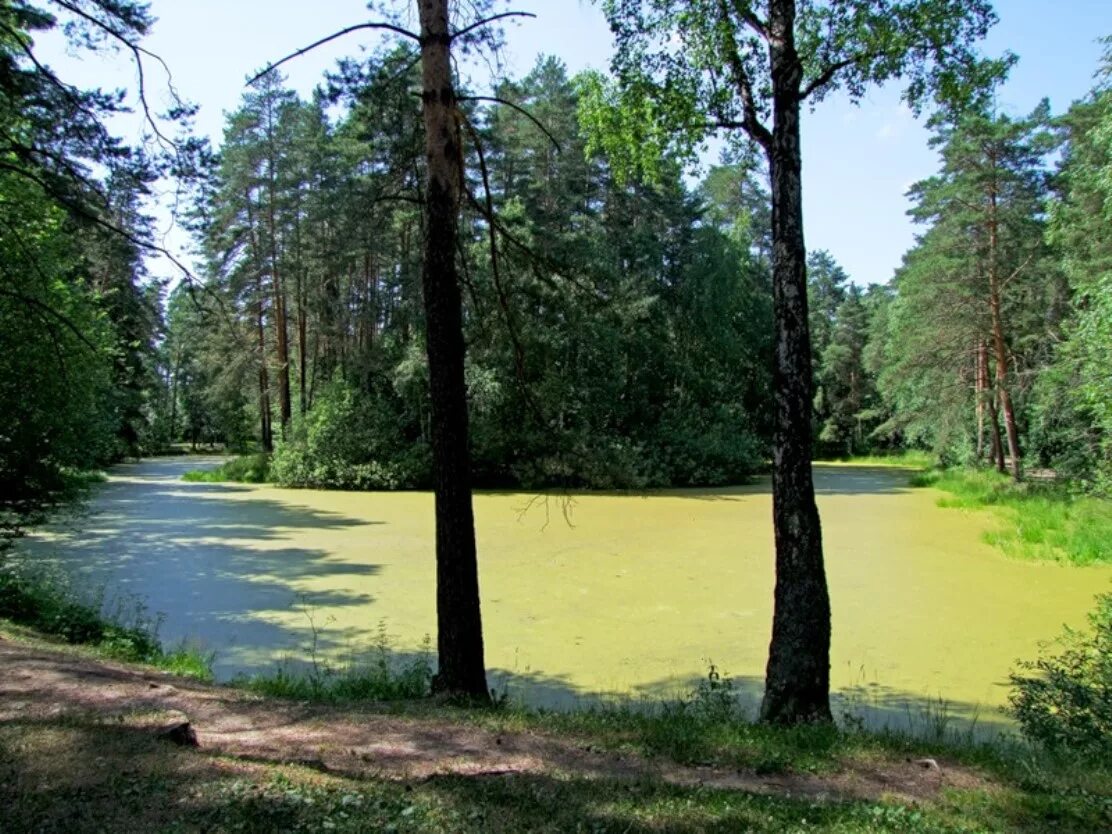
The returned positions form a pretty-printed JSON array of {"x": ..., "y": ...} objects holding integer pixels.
[
  {"x": 411, "y": 280},
  {"x": 618, "y": 329}
]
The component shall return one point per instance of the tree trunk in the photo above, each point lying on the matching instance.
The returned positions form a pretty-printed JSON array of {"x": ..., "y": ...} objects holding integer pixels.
[
  {"x": 981, "y": 389},
  {"x": 266, "y": 431},
  {"x": 797, "y": 680},
  {"x": 281, "y": 319},
  {"x": 301, "y": 291},
  {"x": 998, "y": 342},
  {"x": 462, "y": 671},
  {"x": 997, "y": 451},
  {"x": 1006, "y": 406},
  {"x": 266, "y": 436}
]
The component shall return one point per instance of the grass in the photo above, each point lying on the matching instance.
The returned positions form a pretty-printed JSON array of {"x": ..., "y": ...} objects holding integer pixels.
[
  {"x": 909, "y": 458},
  {"x": 140, "y": 784},
  {"x": 76, "y": 773},
  {"x": 1037, "y": 520},
  {"x": 49, "y": 604},
  {"x": 246, "y": 469},
  {"x": 384, "y": 677}
]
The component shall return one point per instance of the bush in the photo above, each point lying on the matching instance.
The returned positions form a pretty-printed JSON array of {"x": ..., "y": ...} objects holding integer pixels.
[
  {"x": 351, "y": 440},
  {"x": 248, "y": 469},
  {"x": 1064, "y": 701}
]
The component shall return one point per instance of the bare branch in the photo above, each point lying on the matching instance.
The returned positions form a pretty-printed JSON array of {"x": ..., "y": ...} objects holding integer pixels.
[
  {"x": 827, "y": 75},
  {"x": 520, "y": 110},
  {"x": 486, "y": 21},
  {"x": 389, "y": 27},
  {"x": 137, "y": 52}
]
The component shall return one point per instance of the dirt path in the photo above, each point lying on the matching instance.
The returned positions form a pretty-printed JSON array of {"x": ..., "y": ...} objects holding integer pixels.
[{"x": 38, "y": 683}]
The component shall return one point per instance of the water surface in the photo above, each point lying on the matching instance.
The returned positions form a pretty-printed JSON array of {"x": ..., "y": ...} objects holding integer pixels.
[{"x": 634, "y": 596}]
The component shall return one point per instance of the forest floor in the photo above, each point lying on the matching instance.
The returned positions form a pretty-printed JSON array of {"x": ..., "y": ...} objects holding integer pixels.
[{"x": 82, "y": 748}]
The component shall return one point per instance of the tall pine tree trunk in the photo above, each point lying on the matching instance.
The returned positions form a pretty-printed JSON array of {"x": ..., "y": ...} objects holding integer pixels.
[
  {"x": 461, "y": 672},
  {"x": 797, "y": 680},
  {"x": 980, "y": 391},
  {"x": 281, "y": 322},
  {"x": 266, "y": 436},
  {"x": 266, "y": 431},
  {"x": 998, "y": 341}
]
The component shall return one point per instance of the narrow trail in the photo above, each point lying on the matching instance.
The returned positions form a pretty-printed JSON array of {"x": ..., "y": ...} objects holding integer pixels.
[{"x": 41, "y": 684}]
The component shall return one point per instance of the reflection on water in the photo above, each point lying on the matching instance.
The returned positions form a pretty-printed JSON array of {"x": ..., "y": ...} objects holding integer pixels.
[{"x": 634, "y": 597}]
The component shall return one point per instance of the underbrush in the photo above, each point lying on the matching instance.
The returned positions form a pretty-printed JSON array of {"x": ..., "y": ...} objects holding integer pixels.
[
  {"x": 247, "y": 469},
  {"x": 50, "y": 605},
  {"x": 1038, "y": 520},
  {"x": 1063, "y": 700}
]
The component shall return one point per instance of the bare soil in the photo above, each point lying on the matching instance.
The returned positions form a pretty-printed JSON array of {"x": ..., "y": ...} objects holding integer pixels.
[{"x": 41, "y": 685}]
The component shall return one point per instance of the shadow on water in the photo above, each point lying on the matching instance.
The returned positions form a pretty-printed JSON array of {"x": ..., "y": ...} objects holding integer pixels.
[
  {"x": 829, "y": 479},
  {"x": 218, "y": 566},
  {"x": 215, "y": 568},
  {"x": 878, "y": 708}
]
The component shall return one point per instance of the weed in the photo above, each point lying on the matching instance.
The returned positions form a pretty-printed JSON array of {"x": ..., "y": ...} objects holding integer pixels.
[{"x": 384, "y": 675}]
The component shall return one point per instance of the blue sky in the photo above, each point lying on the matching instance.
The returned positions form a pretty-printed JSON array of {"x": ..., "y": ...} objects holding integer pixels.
[{"x": 858, "y": 161}]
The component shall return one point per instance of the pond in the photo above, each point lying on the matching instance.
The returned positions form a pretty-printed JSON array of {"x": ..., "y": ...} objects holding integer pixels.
[{"x": 599, "y": 594}]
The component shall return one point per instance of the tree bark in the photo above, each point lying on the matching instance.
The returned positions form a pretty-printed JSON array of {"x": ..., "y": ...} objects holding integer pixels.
[
  {"x": 797, "y": 679},
  {"x": 266, "y": 431},
  {"x": 998, "y": 342},
  {"x": 1010, "y": 428},
  {"x": 281, "y": 319},
  {"x": 266, "y": 436},
  {"x": 461, "y": 671},
  {"x": 981, "y": 387},
  {"x": 997, "y": 451}
]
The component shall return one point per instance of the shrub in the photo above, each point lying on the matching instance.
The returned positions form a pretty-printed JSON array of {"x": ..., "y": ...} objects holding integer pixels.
[
  {"x": 248, "y": 469},
  {"x": 351, "y": 440},
  {"x": 1063, "y": 701}
]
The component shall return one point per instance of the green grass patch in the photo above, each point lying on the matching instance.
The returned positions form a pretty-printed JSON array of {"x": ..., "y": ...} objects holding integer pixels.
[
  {"x": 1037, "y": 520},
  {"x": 908, "y": 458},
  {"x": 246, "y": 469},
  {"x": 49, "y": 604},
  {"x": 48, "y": 783},
  {"x": 385, "y": 676}
]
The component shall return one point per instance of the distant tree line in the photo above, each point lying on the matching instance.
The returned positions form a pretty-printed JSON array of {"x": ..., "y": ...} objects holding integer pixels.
[{"x": 618, "y": 334}]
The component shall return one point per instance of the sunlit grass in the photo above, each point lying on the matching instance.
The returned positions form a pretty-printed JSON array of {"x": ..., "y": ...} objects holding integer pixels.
[
  {"x": 247, "y": 469},
  {"x": 1037, "y": 521},
  {"x": 909, "y": 458}
]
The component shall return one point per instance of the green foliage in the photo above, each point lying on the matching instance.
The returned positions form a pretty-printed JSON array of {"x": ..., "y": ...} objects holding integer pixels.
[
  {"x": 351, "y": 440},
  {"x": 959, "y": 288},
  {"x": 1063, "y": 700},
  {"x": 671, "y": 91},
  {"x": 51, "y": 605},
  {"x": 619, "y": 335},
  {"x": 77, "y": 323},
  {"x": 385, "y": 676},
  {"x": 247, "y": 469},
  {"x": 1075, "y": 414},
  {"x": 1037, "y": 521}
]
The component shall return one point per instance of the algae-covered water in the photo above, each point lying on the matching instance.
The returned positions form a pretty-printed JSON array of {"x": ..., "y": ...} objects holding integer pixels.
[{"x": 627, "y": 594}]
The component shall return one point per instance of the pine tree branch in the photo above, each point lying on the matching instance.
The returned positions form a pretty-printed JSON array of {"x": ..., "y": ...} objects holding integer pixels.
[{"x": 389, "y": 27}]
